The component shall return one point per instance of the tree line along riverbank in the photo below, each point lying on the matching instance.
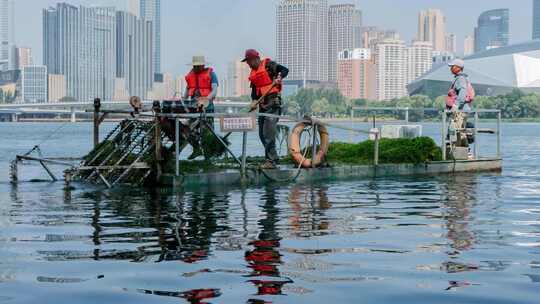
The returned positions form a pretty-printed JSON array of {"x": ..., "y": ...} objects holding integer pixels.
[{"x": 330, "y": 103}]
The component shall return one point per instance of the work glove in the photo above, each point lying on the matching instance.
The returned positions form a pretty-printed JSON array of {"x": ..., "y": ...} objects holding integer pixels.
[{"x": 202, "y": 103}]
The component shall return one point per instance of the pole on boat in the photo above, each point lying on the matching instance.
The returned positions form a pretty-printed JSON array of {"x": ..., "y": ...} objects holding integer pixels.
[
  {"x": 49, "y": 172},
  {"x": 352, "y": 125},
  {"x": 177, "y": 145},
  {"x": 313, "y": 144},
  {"x": 476, "y": 141},
  {"x": 376, "y": 149},
  {"x": 499, "y": 117},
  {"x": 244, "y": 149},
  {"x": 443, "y": 135},
  {"x": 156, "y": 107},
  {"x": 97, "y": 107}
]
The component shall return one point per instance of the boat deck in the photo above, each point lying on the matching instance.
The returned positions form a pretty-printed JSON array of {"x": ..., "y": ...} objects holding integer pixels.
[{"x": 232, "y": 178}]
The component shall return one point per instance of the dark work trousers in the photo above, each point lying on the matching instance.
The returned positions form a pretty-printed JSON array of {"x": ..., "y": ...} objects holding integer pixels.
[
  {"x": 268, "y": 129},
  {"x": 195, "y": 136}
]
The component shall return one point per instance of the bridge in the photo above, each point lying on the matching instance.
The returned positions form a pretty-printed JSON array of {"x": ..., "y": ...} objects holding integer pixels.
[{"x": 79, "y": 107}]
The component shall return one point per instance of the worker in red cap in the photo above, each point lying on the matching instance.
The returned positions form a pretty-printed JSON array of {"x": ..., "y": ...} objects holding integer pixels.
[{"x": 266, "y": 85}]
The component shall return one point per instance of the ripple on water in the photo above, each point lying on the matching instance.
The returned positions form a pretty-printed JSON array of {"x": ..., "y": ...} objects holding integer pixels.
[{"x": 447, "y": 239}]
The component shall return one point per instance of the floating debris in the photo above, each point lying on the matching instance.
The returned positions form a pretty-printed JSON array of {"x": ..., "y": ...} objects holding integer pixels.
[{"x": 453, "y": 267}]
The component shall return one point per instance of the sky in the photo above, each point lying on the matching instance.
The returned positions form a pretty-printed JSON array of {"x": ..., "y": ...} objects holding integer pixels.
[{"x": 223, "y": 29}]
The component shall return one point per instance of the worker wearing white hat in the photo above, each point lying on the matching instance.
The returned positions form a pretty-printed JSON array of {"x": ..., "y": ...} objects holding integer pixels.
[
  {"x": 202, "y": 83},
  {"x": 201, "y": 88},
  {"x": 461, "y": 93}
]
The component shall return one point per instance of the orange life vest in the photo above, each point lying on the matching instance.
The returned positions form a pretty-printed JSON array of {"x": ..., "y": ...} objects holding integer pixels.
[
  {"x": 201, "y": 81},
  {"x": 262, "y": 80}
]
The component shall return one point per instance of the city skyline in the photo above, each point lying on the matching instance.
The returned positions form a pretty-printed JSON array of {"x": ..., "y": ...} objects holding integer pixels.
[
  {"x": 177, "y": 46},
  {"x": 81, "y": 43},
  {"x": 4, "y": 33}
]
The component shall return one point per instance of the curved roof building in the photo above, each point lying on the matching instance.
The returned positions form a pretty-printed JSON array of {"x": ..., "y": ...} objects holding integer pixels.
[{"x": 492, "y": 72}]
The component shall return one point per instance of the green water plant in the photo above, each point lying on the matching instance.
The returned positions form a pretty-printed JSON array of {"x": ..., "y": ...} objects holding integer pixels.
[{"x": 391, "y": 151}]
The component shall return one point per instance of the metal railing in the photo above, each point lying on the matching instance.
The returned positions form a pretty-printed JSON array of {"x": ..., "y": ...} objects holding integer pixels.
[
  {"x": 242, "y": 161},
  {"x": 375, "y": 133},
  {"x": 156, "y": 115},
  {"x": 406, "y": 110},
  {"x": 476, "y": 130}
]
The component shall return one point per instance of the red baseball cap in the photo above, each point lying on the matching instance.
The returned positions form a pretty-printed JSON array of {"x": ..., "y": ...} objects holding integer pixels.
[{"x": 251, "y": 53}]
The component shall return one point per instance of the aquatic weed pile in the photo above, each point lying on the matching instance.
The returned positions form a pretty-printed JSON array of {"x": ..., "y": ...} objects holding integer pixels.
[{"x": 391, "y": 151}]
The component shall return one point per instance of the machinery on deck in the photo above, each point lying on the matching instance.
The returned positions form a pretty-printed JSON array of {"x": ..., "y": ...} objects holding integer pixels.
[{"x": 460, "y": 136}]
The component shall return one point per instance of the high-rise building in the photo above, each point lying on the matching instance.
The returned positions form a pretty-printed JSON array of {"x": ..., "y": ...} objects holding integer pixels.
[
  {"x": 80, "y": 43},
  {"x": 134, "y": 55},
  {"x": 158, "y": 91},
  {"x": 22, "y": 56},
  {"x": 134, "y": 7},
  {"x": 237, "y": 76},
  {"x": 419, "y": 59},
  {"x": 536, "y": 19},
  {"x": 390, "y": 59},
  {"x": 302, "y": 38},
  {"x": 34, "y": 84},
  {"x": 432, "y": 28},
  {"x": 179, "y": 85},
  {"x": 150, "y": 10},
  {"x": 169, "y": 85},
  {"x": 120, "y": 90},
  {"x": 344, "y": 32},
  {"x": 56, "y": 87},
  {"x": 492, "y": 30},
  {"x": 451, "y": 43},
  {"x": 4, "y": 34},
  {"x": 468, "y": 45},
  {"x": 372, "y": 34},
  {"x": 224, "y": 88},
  {"x": 356, "y": 74},
  {"x": 442, "y": 58}
]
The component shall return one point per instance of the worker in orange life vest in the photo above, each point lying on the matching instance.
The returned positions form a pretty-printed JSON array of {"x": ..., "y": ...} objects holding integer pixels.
[
  {"x": 266, "y": 84},
  {"x": 201, "y": 84},
  {"x": 201, "y": 87}
]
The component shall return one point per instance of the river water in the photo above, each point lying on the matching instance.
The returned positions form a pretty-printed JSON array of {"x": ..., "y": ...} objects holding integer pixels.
[{"x": 468, "y": 238}]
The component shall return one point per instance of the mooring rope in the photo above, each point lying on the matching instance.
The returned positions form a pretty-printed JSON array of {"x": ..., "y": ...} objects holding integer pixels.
[{"x": 37, "y": 147}]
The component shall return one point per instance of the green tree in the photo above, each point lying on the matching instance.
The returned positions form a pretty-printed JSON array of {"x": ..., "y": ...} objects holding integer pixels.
[
  {"x": 359, "y": 102},
  {"x": 321, "y": 107},
  {"x": 292, "y": 107},
  {"x": 440, "y": 102}
]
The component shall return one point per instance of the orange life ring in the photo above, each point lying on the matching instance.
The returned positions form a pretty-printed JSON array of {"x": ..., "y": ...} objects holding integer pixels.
[{"x": 295, "y": 149}]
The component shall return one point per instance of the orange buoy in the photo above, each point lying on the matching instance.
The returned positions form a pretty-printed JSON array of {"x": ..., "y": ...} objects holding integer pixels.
[{"x": 295, "y": 149}]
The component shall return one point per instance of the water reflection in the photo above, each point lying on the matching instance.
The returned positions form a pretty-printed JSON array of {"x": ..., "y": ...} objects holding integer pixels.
[
  {"x": 265, "y": 258},
  {"x": 308, "y": 205},
  {"x": 287, "y": 243},
  {"x": 186, "y": 234},
  {"x": 194, "y": 296},
  {"x": 460, "y": 199}
]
